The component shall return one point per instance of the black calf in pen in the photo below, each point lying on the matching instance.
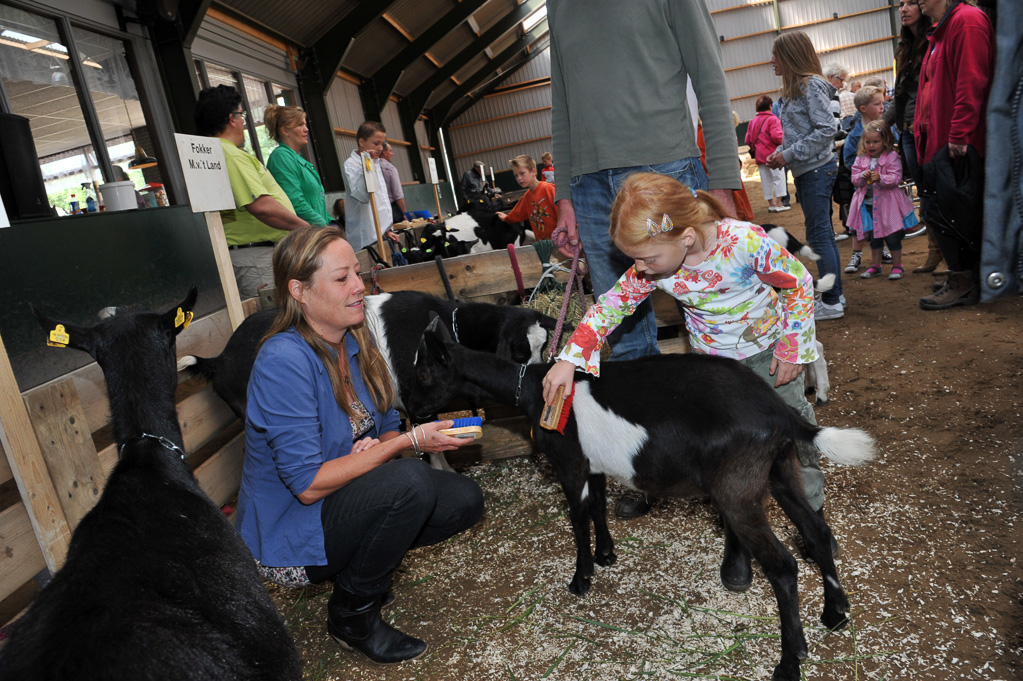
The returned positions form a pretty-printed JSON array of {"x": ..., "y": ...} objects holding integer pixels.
[
  {"x": 673, "y": 425},
  {"x": 157, "y": 583}
]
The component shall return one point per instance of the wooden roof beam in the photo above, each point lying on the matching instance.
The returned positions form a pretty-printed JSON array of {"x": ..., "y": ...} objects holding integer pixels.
[
  {"x": 386, "y": 77},
  {"x": 418, "y": 97}
]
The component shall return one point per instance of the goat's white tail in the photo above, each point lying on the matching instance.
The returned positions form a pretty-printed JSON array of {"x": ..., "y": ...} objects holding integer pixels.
[
  {"x": 187, "y": 361},
  {"x": 809, "y": 253},
  {"x": 846, "y": 446},
  {"x": 825, "y": 283}
]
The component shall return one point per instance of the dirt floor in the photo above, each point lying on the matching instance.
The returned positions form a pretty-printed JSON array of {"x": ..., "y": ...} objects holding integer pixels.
[{"x": 928, "y": 532}]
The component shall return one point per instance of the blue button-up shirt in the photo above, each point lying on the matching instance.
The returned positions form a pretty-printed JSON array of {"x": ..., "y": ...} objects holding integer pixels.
[{"x": 293, "y": 425}]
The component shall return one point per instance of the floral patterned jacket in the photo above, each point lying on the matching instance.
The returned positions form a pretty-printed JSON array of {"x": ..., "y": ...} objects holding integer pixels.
[{"x": 731, "y": 307}]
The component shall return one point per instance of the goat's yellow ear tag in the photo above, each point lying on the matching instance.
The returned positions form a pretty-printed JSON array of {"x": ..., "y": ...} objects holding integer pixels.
[
  {"x": 58, "y": 337},
  {"x": 179, "y": 318},
  {"x": 188, "y": 318},
  {"x": 422, "y": 240}
]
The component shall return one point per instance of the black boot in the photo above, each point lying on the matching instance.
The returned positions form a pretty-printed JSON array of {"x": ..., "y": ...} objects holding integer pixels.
[
  {"x": 354, "y": 622},
  {"x": 633, "y": 505},
  {"x": 736, "y": 571}
]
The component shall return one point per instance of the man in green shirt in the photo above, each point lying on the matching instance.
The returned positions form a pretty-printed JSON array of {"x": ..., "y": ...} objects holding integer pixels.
[{"x": 263, "y": 212}]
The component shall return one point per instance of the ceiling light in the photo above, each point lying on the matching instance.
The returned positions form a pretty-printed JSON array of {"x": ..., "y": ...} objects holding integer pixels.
[{"x": 533, "y": 19}]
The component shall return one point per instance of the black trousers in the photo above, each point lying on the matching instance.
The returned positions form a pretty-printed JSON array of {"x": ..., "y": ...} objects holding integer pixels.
[
  {"x": 370, "y": 523},
  {"x": 959, "y": 244}
]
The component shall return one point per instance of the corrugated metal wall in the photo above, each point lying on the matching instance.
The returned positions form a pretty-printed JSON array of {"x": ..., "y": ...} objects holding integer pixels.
[
  {"x": 345, "y": 110},
  {"x": 522, "y": 125},
  {"x": 859, "y": 38},
  {"x": 233, "y": 48},
  {"x": 423, "y": 140}
]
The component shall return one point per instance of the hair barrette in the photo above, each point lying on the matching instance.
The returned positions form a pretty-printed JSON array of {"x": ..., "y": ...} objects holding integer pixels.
[
  {"x": 693, "y": 191},
  {"x": 653, "y": 229}
]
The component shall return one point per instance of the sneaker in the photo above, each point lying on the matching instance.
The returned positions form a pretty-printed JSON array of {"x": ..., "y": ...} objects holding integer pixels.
[
  {"x": 886, "y": 257},
  {"x": 872, "y": 271},
  {"x": 822, "y": 311},
  {"x": 841, "y": 237},
  {"x": 855, "y": 260},
  {"x": 782, "y": 209},
  {"x": 773, "y": 209}
]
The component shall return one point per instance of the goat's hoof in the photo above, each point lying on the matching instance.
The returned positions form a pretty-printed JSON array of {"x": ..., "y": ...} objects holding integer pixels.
[
  {"x": 786, "y": 671},
  {"x": 835, "y": 620},
  {"x": 579, "y": 585},
  {"x": 821, "y": 401},
  {"x": 606, "y": 559}
]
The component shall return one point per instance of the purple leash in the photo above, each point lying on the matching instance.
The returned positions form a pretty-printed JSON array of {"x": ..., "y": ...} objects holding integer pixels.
[{"x": 560, "y": 240}]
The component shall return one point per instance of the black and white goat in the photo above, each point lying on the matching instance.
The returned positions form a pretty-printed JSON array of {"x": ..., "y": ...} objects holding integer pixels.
[
  {"x": 397, "y": 321},
  {"x": 494, "y": 234},
  {"x": 671, "y": 425},
  {"x": 157, "y": 583}
]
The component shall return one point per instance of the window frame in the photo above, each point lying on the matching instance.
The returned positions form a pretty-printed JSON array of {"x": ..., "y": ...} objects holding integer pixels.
[{"x": 66, "y": 23}]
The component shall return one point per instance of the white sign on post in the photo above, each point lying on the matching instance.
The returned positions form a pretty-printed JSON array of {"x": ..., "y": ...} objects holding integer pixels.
[
  {"x": 205, "y": 170},
  {"x": 433, "y": 171},
  {"x": 369, "y": 172},
  {"x": 4, "y": 222}
]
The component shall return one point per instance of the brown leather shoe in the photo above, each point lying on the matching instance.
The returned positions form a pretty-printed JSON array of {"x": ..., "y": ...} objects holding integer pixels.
[
  {"x": 931, "y": 264},
  {"x": 961, "y": 288}
]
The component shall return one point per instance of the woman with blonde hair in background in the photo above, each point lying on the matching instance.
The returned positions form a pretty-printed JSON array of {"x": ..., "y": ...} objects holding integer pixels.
[
  {"x": 808, "y": 150},
  {"x": 296, "y": 175}
]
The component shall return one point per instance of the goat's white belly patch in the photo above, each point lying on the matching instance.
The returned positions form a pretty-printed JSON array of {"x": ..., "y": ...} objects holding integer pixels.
[{"x": 609, "y": 442}]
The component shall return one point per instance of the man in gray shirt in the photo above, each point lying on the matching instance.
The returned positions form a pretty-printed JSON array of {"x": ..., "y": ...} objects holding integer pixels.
[{"x": 619, "y": 73}]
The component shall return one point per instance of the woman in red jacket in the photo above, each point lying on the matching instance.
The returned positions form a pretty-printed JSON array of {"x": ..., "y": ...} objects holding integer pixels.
[
  {"x": 763, "y": 135},
  {"x": 950, "y": 111}
]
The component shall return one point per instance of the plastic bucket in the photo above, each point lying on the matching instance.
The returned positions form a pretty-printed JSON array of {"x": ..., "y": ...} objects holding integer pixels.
[{"x": 118, "y": 195}]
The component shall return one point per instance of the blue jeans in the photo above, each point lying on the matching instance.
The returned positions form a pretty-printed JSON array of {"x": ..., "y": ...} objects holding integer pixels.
[
  {"x": 814, "y": 188},
  {"x": 592, "y": 197},
  {"x": 908, "y": 146}
]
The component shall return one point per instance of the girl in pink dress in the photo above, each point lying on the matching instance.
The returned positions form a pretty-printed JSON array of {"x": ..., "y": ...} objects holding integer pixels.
[{"x": 880, "y": 211}]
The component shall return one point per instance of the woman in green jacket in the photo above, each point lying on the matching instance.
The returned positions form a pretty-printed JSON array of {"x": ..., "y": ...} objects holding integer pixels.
[{"x": 296, "y": 175}]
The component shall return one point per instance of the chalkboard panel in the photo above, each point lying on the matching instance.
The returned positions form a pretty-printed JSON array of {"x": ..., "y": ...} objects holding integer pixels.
[{"x": 72, "y": 267}]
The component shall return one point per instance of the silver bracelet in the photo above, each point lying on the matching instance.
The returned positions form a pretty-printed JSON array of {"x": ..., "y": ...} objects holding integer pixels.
[
  {"x": 422, "y": 432},
  {"x": 412, "y": 442},
  {"x": 418, "y": 449}
]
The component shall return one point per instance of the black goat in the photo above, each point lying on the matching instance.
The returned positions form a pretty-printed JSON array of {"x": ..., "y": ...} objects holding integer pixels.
[
  {"x": 672, "y": 425},
  {"x": 157, "y": 583},
  {"x": 397, "y": 321}
]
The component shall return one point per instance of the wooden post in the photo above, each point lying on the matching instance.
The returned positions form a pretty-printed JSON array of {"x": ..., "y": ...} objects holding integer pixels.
[
  {"x": 29, "y": 469},
  {"x": 436, "y": 198},
  {"x": 224, "y": 267},
  {"x": 384, "y": 253},
  {"x": 370, "y": 176}
]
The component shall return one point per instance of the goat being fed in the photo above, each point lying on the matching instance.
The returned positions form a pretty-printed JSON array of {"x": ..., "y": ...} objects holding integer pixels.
[
  {"x": 397, "y": 321},
  {"x": 157, "y": 583},
  {"x": 707, "y": 425}
]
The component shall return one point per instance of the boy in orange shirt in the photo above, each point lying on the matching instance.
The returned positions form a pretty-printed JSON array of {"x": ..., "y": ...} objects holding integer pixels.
[{"x": 537, "y": 205}]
